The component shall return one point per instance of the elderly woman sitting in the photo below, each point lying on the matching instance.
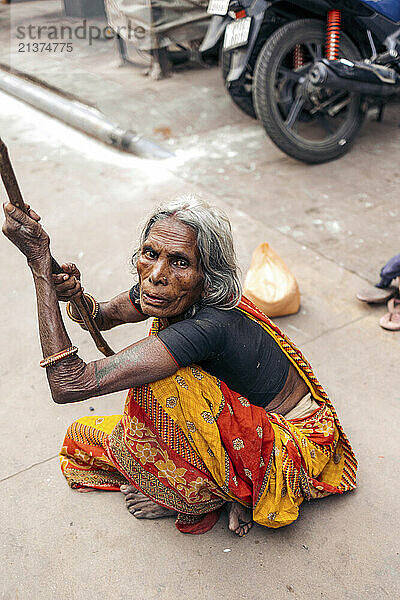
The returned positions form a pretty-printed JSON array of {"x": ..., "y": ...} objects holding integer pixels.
[{"x": 222, "y": 407}]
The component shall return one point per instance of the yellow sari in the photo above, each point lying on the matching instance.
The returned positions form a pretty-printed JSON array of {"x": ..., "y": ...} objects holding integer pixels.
[{"x": 190, "y": 444}]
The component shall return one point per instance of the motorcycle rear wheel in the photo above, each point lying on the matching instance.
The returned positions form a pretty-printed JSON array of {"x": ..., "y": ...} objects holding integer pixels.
[{"x": 299, "y": 128}]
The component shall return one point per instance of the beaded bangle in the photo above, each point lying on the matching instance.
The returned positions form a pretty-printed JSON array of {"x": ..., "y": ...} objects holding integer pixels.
[
  {"x": 70, "y": 315},
  {"x": 50, "y": 360},
  {"x": 94, "y": 310},
  {"x": 96, "y": 306}
]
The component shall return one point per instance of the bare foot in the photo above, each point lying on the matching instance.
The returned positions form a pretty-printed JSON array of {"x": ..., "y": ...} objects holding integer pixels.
[
  {"x": 141, "y": 507},
  {"x": 240, "y": 519}
]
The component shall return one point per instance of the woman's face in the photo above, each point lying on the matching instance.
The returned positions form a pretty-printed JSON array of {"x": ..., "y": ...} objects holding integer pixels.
[{"x": 170, "y": 275}]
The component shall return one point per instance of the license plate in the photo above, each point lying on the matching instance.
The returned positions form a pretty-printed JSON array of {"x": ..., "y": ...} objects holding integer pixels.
[
  {"x": 237, "y": 33},
  {"x": 218, "y": 7}
]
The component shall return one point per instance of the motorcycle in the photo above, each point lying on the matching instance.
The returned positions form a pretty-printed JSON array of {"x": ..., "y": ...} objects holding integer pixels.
[{"x": 319, "y": 70}]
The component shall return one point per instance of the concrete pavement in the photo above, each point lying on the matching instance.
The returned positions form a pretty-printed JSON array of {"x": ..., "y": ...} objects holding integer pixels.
[
  {"x": 347, "y": 211},
  {"x": 57, "y": 543}
]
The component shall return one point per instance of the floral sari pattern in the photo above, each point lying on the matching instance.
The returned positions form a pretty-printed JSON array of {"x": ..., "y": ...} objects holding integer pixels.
[{"x": 190, "y": 443}]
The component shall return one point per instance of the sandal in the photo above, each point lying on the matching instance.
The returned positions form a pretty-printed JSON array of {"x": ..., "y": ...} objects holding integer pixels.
[
  {"x": 391, "y": 320},
  {"x": 375, "y": 295}
]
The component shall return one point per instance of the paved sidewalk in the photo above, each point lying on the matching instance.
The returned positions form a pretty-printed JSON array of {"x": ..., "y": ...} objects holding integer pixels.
[
  {"x": 92, "y": 72},
  {"x": 334, "y": 225},
  {"x": 347, "y": 211},
  {"x": 57, "y": 543}
]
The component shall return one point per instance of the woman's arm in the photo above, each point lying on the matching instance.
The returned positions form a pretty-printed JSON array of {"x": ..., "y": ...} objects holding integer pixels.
[
  {"x": 117, "y": 311},
  {"x": 71, "y": 379}
]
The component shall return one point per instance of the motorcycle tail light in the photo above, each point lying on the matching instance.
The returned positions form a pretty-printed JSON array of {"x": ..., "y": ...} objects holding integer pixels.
[{"x": 240, "y": 15}]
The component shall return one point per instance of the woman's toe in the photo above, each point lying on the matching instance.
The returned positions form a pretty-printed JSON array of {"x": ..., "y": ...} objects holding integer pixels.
[
  {"x": 130, "y": 496},
  {"x": 246, "y": 528},
  {"x": 243, "y": 529},
  {"x": 130, "y": 503},
  {"x": 127, "y": 489}
]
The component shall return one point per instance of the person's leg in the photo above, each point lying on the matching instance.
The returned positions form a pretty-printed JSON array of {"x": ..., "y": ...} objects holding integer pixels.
[
  {"x": 86, "y": 465},
  {"x": 240, "y": 518},
  {"x": 150, "y": 445},
  {"x": 83, "y": 456},
  {"x": 141, "y": 507}
]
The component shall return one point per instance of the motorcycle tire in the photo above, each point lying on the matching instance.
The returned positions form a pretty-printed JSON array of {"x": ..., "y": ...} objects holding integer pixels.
[
  {"x": 242, "y": 94},
  {"x": 270, "y": 107}
]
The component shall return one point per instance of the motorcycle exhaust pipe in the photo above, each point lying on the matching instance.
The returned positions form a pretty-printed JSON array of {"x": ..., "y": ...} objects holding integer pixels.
[{"x": 345, "y": 75}]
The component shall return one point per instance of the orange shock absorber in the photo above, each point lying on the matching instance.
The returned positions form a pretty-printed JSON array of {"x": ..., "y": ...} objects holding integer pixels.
[
  {"x": 298, "y": 56},
  {"x": 333, "y": 35}
]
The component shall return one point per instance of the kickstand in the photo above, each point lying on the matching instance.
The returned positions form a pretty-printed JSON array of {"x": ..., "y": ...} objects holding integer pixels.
[{"x": 379, "y": 116}]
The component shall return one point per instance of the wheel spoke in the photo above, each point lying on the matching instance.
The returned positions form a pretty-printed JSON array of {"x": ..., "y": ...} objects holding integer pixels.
[
  {"x": 314, "y": 49},
  {"x": 285, "y": 100},
  {"x": 330, "y": 103},
  {"x": 293, "y": 75},
  {"x": 294, "y": 112}
]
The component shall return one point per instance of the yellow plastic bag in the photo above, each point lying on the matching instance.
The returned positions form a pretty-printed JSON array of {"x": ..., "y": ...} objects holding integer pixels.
[{"x": 270, "y": 284}]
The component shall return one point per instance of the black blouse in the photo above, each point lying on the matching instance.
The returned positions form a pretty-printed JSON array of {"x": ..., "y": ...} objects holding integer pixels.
[{"x": 230, "y": 346}]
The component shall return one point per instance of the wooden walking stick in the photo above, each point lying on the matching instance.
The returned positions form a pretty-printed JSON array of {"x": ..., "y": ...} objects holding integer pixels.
[{"x": 15, "y": 196}]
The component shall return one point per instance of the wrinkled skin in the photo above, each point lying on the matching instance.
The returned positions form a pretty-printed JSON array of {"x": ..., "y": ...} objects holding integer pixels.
[
  {"x": 26, "y": 233},
  {"x": 68, "y": 284},
  {"x": 170, "y": 274}
]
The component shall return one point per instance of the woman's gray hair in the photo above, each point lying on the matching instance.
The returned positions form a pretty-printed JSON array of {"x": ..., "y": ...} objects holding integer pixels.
[{"x": 222, "y": 287}]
